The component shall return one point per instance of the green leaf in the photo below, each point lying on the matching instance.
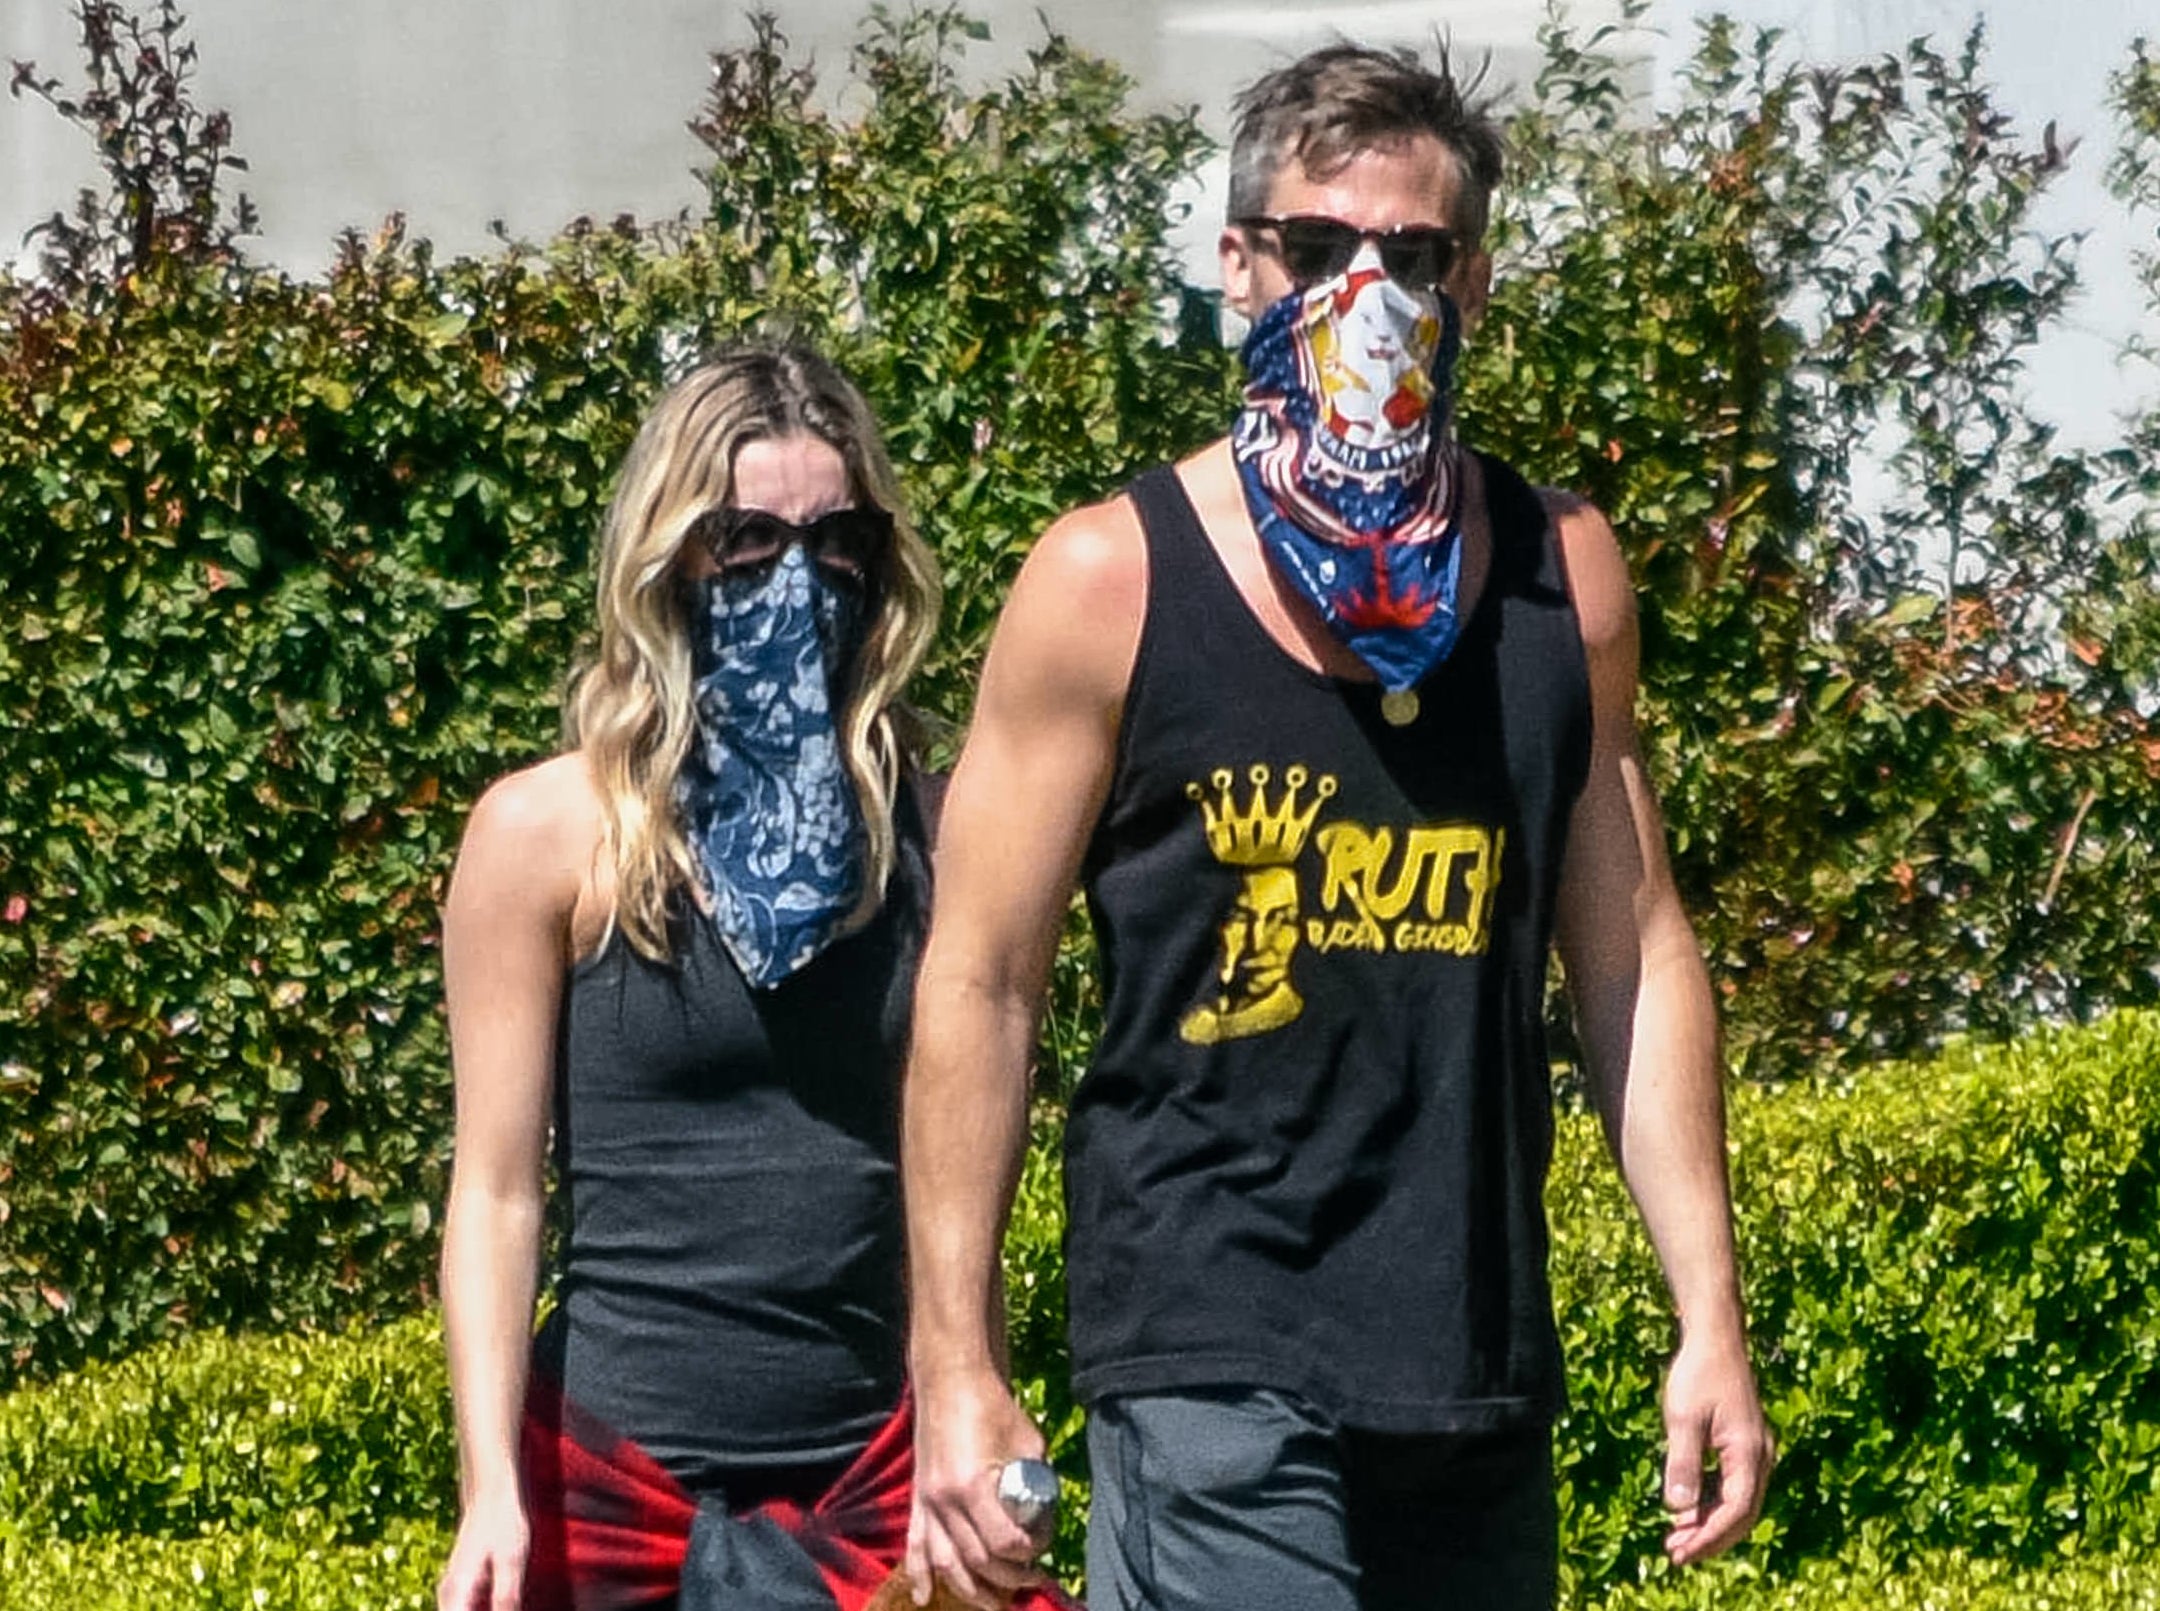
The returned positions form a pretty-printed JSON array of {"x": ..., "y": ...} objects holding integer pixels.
[
  {"x": 445, "y": 328},
  {"x": 1911, "y": 608}
]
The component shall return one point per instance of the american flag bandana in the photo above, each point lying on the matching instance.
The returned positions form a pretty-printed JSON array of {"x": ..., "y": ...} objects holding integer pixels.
[{"x": 1346, "y": 451}]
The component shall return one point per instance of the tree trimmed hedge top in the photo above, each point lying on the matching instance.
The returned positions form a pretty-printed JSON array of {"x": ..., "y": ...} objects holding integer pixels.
[{"x": 298, "y": 566}]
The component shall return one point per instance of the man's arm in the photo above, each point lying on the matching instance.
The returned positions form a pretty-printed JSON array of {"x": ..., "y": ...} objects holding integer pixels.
[
  {"x": 1023, "y": 801},
  {"x": 1649, "y": 1030}
]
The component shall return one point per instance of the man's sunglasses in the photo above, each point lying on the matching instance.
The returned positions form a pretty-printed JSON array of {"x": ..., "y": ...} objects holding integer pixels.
[
  {"x": 1314, "y": 249},
  {"x": 852, "y": 541}
]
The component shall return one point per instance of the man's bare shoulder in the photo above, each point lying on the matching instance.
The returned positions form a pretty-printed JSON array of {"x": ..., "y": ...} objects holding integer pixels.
[
  {"x": 1597, "y": 571},
  {"x": 1093, "y": 558},
  {"x": 1071, "y": 629}
]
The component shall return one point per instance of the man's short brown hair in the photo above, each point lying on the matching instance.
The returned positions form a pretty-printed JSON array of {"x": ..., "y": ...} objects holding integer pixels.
[{"x": 1331, "y": 104}]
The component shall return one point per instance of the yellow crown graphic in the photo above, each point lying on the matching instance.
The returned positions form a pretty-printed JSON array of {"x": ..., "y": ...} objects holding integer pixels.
[{"x": 1260, "y": 835}]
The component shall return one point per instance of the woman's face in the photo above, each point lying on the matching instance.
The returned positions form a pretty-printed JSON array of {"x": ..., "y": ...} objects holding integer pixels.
[{"x": 796, "y": 478}]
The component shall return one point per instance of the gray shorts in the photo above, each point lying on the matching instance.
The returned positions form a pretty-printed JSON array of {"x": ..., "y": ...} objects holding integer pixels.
[{"x": 1249, "y": 1497}]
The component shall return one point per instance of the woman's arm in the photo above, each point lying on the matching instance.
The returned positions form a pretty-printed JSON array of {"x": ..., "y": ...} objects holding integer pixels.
[{"x": 506, "y": 940}]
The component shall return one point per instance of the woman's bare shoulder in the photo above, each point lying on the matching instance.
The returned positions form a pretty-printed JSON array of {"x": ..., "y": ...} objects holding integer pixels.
[
  {"x": 550, "y": 804},
  {"x": 538, "y": 829}
]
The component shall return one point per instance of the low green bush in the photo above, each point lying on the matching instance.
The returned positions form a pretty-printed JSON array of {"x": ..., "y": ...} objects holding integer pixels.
[
  {"x": 1951, "y": 1268},
  {"x": 1943, "y": 1580},
  {"x": 1952, "y": 1271},
  {"x": 249, "y": 1570},
  {"x": 341, "y": 1436}
]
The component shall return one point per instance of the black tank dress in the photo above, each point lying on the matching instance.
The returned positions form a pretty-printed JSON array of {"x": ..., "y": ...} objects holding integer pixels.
[{"x": 730, "y": 1293}]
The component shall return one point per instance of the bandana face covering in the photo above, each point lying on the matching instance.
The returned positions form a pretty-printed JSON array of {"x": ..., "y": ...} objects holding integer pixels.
[
  {"x": 1346, "y": 451},
  {"x": 767, "y": 800}
]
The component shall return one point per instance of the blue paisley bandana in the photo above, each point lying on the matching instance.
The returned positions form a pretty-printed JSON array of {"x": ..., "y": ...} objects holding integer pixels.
[
  {"x": 1347, "y": 453},
  {"x": 765, "y": 795}
]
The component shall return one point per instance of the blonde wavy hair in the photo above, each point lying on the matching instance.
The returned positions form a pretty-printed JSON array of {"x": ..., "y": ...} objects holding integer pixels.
[{"x": 632, "y": 709}]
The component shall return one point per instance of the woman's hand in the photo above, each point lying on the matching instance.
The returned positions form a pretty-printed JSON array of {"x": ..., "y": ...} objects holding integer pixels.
[{"x": 487, "y": 1564}]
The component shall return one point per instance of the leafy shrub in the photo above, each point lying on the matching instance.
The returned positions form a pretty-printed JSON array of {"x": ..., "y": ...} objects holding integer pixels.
[
  {"x": 222, "y": 1571},
  {"x": 1903, "y": 739},
  {"x": 297, "y": 566},
  {"x": 1947, "y": 1580},
  {"x": 1035, "y": 1307},
  {"x": 339, "y": 1436},
  {"x": 993, "y": 267},
  {"x": 294, "y": 568},
  {"x": 1950, "y": 1268}
]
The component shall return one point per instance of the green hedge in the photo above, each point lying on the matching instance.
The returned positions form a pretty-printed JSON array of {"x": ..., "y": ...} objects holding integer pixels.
[
  {"x": 294, "y": 568},
  {"x": 1952, "y": 1273},
  {"x": 340, "y": 1436},
  {"x": 272, "y": 1569},
  {"x": 1953, "y": 1269},
  {"x": 1947, "y": 1580},
  {"x": 224, "y": 1571}
]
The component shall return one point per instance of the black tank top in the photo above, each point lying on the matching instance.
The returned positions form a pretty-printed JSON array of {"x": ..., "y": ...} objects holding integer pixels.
[
  {"x": 731, "y": 1290},
  {"x": 1311, "y": 1150}
]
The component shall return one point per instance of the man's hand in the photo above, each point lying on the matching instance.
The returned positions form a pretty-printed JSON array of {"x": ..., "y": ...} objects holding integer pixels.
[
  {"x": 1710, "y": 1405},
  {"x": 966, "y": 1428}
]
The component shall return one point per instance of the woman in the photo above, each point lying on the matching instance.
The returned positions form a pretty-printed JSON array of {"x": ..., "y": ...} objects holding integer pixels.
[{"x": 689, "y": 942}]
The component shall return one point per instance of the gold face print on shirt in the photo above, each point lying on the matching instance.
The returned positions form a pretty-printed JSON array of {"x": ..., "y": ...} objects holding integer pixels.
[
  {"x": 1260, "y": 937},
  {"x": 1405, "y": 891}
]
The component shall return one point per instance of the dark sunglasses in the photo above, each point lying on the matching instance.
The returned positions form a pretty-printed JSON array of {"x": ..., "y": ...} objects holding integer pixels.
[
  {"x": 1313, "y": 249},
  {"x": 852, "y": 541}
]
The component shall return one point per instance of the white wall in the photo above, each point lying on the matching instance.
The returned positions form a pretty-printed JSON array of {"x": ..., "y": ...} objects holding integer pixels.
[
  {"x": 454, "y": 111},
  {"x": 534, "y": 111},
  {"x": 2048, "y": 59}
]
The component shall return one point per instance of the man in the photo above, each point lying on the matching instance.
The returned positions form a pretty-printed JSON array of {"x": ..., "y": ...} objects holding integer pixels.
[{"x": 1337, "y": 720}]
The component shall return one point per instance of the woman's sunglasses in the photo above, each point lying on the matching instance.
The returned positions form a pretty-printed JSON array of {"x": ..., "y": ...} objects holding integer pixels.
[
  {"x": 1314, "y": 249},
  {"x": 850, "y": 541}
]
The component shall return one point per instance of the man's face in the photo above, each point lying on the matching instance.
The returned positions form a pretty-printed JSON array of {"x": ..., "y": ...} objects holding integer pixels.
[
  {"x": 1261, "y": 935},
  {"x": 1410, "y": 182}
]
